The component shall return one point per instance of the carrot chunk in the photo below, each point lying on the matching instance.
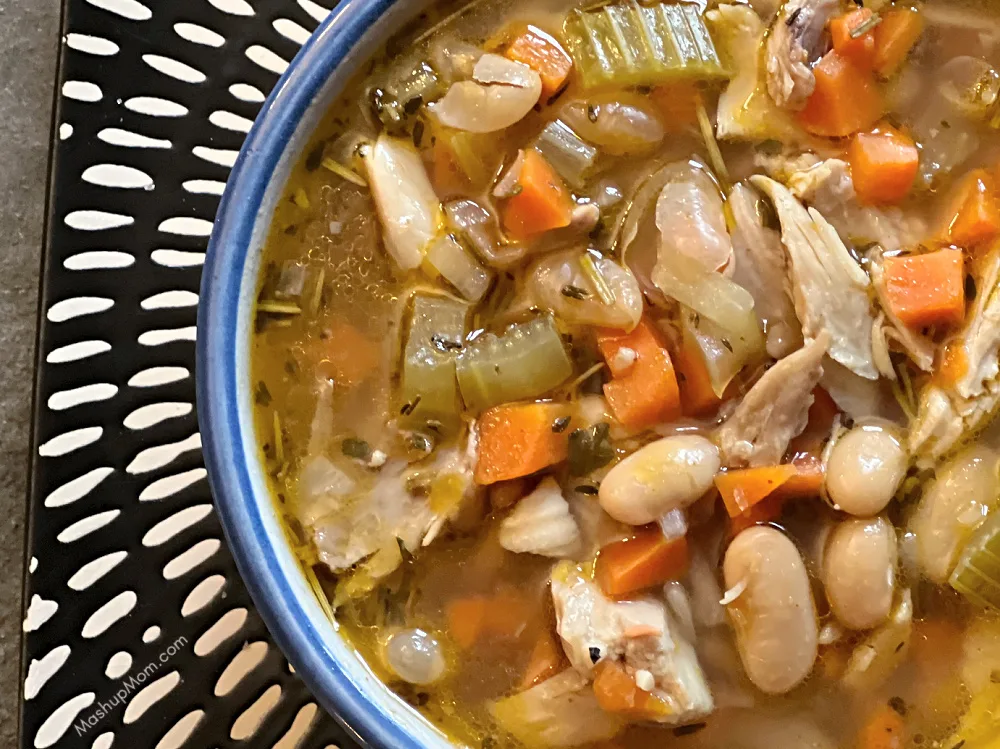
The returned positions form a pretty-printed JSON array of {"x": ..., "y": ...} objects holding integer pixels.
[
  {"x": 894, "y": 38},
  {"x": 698, "y": 397},
  {"x": 860, "y": 48},
  {"x": 466, "y": 618},
  {"x": 543, "y": 54},
  {"x": 884, "y": 729},
  {"x": 541, "y": 202},
  {"x": 505, "y": 615},
  {"x": 517, "y": 440},
  {"x": 973, "y": 215},
  {"x": 618, "y": 693},
  {"x": 926, "y": 289},
  {"x": 644, "y": 389},
  {"x": 846, "y": 98},
  {"x": 883, "y": 164},
  {"x": 743, "y": 489},
  {"x": 644, "y": 561},
  {"x": 547, "y": 659},
  {"x": 346, "y": 356},
  {"x": 953, "y": 364}
]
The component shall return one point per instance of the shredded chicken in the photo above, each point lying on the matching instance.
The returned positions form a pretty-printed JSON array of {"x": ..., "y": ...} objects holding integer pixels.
[
  {"x": 541, "y": 523},
  {"x": 797, "y": 40},
  {"x": 358, "y": 524},
  {"x": 918, "y": 348},
  {"x": 827, "y": 186},
  {"x": 946, "y": 414},
  {"x": 762, "y": 269},
  {"x": 745, "y": 110},
  {"x": 775, "y": 410},
  {"x": 640, "y": 633},
  {"x": 829, "y": 288}
]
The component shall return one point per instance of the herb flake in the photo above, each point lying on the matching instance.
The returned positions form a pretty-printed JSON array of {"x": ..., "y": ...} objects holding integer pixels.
[
  {"x": 590, "y": 449},
  {"x": 559, "y": 425},
  {"x": 356, "y": 448}
]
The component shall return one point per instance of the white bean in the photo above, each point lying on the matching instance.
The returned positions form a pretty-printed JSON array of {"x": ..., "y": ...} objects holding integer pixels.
[
  {"x": 773, "y": 615},
  {"x": 859, "y": 571},
  {"x": 665, "y": 475},
  {"x": 865, "y": 469}
]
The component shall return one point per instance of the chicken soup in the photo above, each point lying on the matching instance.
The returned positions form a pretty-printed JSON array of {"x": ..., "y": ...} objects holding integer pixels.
[{"x": 625, "y": 372}]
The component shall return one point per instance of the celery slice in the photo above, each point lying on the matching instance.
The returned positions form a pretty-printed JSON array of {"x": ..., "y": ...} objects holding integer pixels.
[
  {"x": 526, "y": 361},
  {"x": 477, "y": 155},
  {"x": 566, "y": 152},
  {"x": 429, "y": 391},
  {"x": 627, "y": 44},
  {"x": 977, "y": 575}
]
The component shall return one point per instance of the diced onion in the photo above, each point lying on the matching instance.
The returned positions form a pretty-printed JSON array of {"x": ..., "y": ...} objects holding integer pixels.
[
  {"x": 502, "y": 93},
  {"x": 446, "y": 256},
  {"x": 415, "y": 656},
  {"x": 408, "y": 208},
  {"x": 479, "y": 228}
]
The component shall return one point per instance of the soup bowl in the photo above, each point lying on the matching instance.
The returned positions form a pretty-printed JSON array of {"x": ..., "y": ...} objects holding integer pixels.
[{"x": 321, "y": 657}]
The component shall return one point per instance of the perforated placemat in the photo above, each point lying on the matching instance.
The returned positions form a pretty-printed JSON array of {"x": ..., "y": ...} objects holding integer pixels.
[{"x": 138, "y": 631}]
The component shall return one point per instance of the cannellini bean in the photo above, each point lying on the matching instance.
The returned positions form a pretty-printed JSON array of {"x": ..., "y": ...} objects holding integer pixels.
[
  {"x": 859, "y": 571},
  {"x": 415, "y": 656},
  {"x": 865, "y": 469},
  {"x": 665, "y": 475},
  {"x": 773, "y": 615}
]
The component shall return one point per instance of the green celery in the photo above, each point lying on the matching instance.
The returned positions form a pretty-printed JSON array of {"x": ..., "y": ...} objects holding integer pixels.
[
  {"x": 977, "y": 576},
  {"x": 568, "y": 154},
  {"x": 628, "y": 44},
  {"x": 526, "y": 361},
  {"x": 429, "y": 391}
]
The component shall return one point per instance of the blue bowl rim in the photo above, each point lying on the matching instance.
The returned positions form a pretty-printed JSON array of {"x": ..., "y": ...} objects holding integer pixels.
[{"x": 217, "y": 386}]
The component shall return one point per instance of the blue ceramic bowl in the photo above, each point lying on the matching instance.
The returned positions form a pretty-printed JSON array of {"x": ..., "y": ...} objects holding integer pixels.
[{"x": 336, "y": 675}]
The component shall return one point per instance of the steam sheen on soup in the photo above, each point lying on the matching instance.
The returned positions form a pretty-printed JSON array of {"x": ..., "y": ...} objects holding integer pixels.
[{"x": 625, "y": 372}]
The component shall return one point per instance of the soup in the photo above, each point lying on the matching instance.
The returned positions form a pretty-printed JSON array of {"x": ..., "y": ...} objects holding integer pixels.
[{"x": 625, "y": 372}]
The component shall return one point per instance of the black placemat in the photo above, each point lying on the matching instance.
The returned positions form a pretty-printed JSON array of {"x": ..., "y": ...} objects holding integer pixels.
[{"x": 133, "y": 607}]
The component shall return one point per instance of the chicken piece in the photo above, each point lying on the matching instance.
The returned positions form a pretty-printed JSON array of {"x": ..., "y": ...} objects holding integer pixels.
[
  {"x": 356, "y": 525},
  {"x": 827, "y": 186},
  {"x": 775, "y": 410},
  {"x": 762, "y": 269},
  {"x": 857, "y": 397},
  {"x": 890, "y": 329},
  {"x": 640, "y": 633},
  {"x": 797, "y": 40},
  {"x": 745, "y": 110},
  {"x": 829, "y": 289},
  {"x": 541, "y": 524},
  {"x": 948, "y": 413}
]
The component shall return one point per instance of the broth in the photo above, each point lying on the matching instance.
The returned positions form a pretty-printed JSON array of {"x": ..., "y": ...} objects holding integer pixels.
[{"x": 420, "y": 491}]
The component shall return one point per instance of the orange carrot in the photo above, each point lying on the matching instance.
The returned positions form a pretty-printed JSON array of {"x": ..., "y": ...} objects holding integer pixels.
[
  {"x": 503, "y": 616},
  {"x": 345, "y": 356},
  {"x": 894, "y": 38},
  {"x": 698, "y": 398},
  {"x": 547, "y": 658},
  {"x": 541, "y": 202},
  {"x": 618, "y": 693},
  {"x": 517, "y": 440},
  {"x": 884, "y": 729},
  {"x": 973, "y": 214},
  {"x": 646, "y": 560},
  {"x": 744, "y": 488},
  {"x": 808, "y": 478},
  {"x": 543, "y": 54},
  {"x": 466, "y": 617},
  {"x": 860, "y": 49},
  {"x": 678, "y": 105},
  {"x": 767, "y": 510},
  {"x": 927, "y": 289},
  {"x": 644, "y": 389},
  {"x": 846, "y": 98},
  {"x": 883, "y": 164}
]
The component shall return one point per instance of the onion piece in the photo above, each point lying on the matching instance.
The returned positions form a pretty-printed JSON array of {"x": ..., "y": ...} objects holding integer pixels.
[
  {"x": 502, "y": 93},
  {"x": 621, "y": 124},
  {"x": 674, "y": 525},
  {"x": 446, "y": 256},
  {"x": 480, "y": 229},
  {"x": 415, "y": 656},
  {"x": 408, "y": 208}
]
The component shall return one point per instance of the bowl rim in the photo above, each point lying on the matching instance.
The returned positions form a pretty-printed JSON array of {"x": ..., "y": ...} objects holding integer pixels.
[{"x": 238, "y": 215}]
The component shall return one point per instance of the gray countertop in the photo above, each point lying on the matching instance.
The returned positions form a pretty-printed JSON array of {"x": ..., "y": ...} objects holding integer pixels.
[{"x": 29, "y": 39}]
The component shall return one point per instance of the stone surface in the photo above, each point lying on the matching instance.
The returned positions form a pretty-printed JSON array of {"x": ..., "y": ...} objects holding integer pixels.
[{"x": 29, "y": 42}]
